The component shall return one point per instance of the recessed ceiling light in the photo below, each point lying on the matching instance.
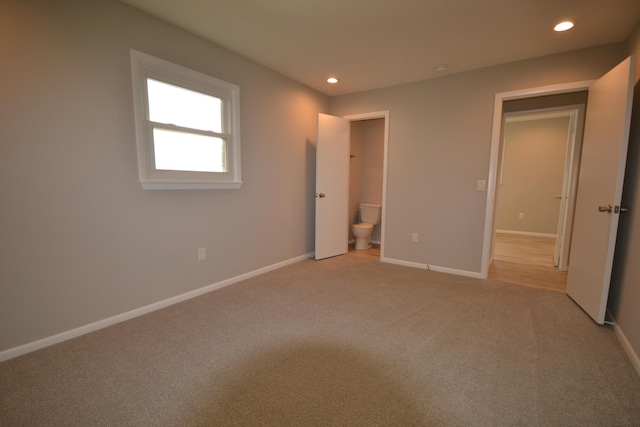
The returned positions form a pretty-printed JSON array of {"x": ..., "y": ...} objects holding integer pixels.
[
  {"x": 564, "y": 26},
  {"x": 332, "y": 80}
]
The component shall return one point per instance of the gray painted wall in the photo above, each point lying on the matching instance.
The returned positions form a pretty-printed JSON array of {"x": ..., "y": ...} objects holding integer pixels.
[
  {"x": 439, "y": 144},
  {"x": 531, "y": 175},
  {"x": 80, "y": 240}
]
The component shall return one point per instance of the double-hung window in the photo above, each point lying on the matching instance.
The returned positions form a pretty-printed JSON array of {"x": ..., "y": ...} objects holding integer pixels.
[{"x": 187, "y": 127}]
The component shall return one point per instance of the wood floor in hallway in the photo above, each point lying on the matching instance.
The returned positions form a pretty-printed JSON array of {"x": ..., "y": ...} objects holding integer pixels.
[{"x": 526, "y": 260}]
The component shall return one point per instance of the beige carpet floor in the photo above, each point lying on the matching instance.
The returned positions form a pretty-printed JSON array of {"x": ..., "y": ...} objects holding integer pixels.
[{"x": 346, "y": 341}]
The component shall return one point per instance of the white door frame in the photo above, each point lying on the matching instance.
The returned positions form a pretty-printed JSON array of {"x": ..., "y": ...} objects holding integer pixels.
[
  {"x": 379, "y": 115},
  {"x": 496, "y": 133},
  {"x": 569, "y": 188}
]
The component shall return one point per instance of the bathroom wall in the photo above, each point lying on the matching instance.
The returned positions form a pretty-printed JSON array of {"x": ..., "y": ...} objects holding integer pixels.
[
  {"x": 372, "y": 166},
  {"x": 367, "y": 147},
  {"x": 355, "y": 173},
  {"x": 372, "y": 160}
]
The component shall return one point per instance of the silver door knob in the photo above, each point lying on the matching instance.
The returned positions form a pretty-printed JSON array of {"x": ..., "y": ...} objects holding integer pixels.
[
  {"x": 320, "y": 194},
  {"x": 605, "y": 208}
]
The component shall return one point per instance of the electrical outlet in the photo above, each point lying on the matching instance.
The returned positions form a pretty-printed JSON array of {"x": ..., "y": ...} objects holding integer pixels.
[
  {"x": 481, "y": 185},
  {"x": 414, "y": 238},
  {"x": 521, "y": 215},
  {"x": 202, "y": 254}
]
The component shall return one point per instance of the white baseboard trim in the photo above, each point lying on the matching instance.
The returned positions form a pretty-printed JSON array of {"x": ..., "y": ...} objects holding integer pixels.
[
  {"x": 465, "y": 273},
  {"x": 101, "y": 324},
  {"x": 437, "y": 268},
  {"x": 626, "y": 345},
  {"x": 527, "y": 233},
  {"x": 405, "y": 263}
]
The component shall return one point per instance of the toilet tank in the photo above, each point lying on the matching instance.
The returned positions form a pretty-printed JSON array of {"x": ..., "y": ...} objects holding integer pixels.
[{"x": 370, "y": 213}]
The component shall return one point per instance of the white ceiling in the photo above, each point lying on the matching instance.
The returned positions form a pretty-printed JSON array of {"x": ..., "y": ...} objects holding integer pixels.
[{"x": 371, "y": 44}]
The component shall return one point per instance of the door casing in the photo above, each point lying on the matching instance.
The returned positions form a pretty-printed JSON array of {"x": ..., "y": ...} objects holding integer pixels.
[
  {"x": 379, "y": 115},
  {"x": 368, "y": 116},
  {"x": 496, "y": 134}
]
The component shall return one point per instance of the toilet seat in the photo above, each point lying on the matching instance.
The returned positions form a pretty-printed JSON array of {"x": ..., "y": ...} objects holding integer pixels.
[{"x": 363, "y": 225}]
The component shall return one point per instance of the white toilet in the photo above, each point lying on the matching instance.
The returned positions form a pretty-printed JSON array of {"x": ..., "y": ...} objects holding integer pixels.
[{"x": 370, "y": 216}]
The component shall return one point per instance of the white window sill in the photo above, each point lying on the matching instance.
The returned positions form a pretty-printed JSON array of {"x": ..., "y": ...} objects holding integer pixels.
[{"x": 190, "y": 185}]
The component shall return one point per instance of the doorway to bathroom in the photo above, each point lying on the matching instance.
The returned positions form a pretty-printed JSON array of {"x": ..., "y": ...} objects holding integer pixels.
[
  {"x": 366, "y": 177},
  {"x": 335, "y": 195}
]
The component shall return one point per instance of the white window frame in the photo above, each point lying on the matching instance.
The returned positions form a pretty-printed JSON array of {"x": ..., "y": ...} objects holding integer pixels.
[{"x": 145, "y": 66}]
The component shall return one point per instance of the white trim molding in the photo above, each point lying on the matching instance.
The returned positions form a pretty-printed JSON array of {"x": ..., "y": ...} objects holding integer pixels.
[
  {"x": 626, "y": 345},
  {"x": 437, "y": 268}
]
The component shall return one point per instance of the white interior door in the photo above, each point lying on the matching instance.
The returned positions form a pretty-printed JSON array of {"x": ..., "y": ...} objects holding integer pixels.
[
  {"x": 332, "y": 186},
  {"x": 604, "y": 153}
]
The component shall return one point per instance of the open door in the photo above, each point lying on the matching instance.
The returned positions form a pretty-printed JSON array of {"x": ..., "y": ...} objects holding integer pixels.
[
  {"x": 332, "y": 186},
  {"x": 604, "y": 154}
]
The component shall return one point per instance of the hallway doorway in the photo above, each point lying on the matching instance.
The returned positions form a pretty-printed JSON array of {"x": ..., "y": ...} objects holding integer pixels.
[{"x": 536, "y": 176}]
